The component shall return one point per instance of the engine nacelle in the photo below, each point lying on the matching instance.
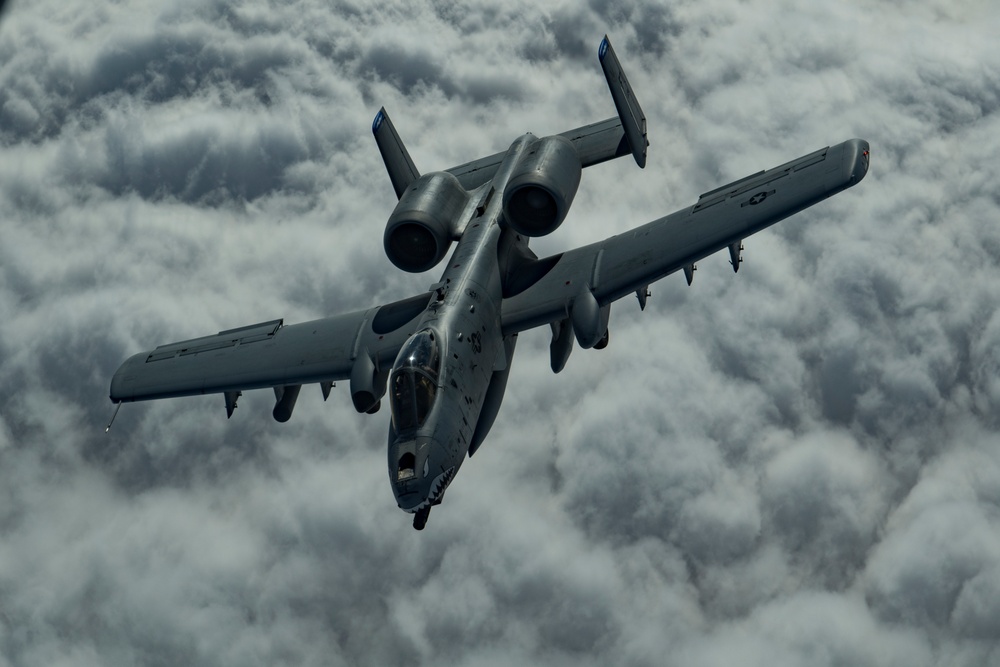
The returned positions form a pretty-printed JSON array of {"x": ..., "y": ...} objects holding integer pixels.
[
  {"x": 541, "y": 189},
  {"x": 424, "y": 222}
]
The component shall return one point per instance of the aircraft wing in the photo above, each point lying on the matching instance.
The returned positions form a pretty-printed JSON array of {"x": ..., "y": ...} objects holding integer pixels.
[
  {"x": 629, "y": 262},
  {"x": 270, "y": 354}
]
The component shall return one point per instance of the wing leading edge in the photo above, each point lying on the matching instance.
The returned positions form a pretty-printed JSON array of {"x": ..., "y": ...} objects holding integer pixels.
[{"x": 629, "y": 262}]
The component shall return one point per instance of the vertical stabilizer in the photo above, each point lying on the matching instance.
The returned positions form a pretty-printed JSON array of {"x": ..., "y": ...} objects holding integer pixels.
[
  {"x": 401, "y": 169},
  {"x": 629, "y": 111}
]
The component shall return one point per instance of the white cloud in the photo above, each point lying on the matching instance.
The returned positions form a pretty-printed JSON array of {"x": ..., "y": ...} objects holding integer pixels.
[{"x": 794, "y": 464}]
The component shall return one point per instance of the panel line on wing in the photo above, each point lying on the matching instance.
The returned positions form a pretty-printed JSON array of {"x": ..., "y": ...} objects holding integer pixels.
[
  {"x": 755, "y": 181},
  {"x": 252, "y": 333},
  {"x": 595, "y": 275}
]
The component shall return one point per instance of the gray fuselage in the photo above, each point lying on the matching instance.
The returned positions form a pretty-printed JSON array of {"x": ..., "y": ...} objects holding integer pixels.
[{"x": 443, "y": 374}]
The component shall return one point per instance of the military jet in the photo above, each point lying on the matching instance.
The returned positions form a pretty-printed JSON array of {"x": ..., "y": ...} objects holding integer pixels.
[{"x": 444, "y": 356}]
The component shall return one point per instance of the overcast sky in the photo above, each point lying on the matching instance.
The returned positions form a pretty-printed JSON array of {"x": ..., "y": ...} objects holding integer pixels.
[{"x": 795, "y": 465}]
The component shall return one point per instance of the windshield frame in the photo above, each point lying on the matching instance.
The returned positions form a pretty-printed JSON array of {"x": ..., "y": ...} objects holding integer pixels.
[{"x": 413, "y": 385}]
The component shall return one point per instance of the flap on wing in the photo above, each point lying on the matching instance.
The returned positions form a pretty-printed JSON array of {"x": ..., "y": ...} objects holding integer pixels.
[
  {"x": 752, "y": 181},
  {"x": 229, "y": 338}
]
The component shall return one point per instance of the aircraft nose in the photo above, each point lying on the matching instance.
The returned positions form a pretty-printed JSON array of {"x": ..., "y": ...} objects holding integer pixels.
[
  {"x": 403, "y": 467},
  {"x": 409, "y": 467},
  {"x": 417, "y": 473}
]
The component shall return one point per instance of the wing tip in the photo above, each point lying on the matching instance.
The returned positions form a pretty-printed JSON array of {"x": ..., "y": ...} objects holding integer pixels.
[{"x": 377, "y": 122}]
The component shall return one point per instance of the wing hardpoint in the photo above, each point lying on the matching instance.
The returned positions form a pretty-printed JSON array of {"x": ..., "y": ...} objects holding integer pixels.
[
  {"x": 629, "y": 262},
  {"x": 271, "y": 354}
]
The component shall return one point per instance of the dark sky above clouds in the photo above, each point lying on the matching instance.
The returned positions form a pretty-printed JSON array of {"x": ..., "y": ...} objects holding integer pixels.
[{"x": 798, "y": 464}]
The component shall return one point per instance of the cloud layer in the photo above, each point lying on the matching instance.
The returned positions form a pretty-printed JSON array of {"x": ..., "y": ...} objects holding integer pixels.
[{"x": 798, "y": 464}]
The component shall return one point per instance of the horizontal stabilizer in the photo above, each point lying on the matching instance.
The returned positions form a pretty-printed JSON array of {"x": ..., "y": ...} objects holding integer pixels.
[
  {"x": 633, "y": 120},
  {"x": 594, "y": 144},
  {"x": 401, "y": 169}
]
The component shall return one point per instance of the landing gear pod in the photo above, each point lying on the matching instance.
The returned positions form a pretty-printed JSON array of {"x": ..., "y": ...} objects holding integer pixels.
[
  {"x": 367, "y": 384},
  {"x": 590, "y": 319},
  {"x": 286, "y": 397},
  {"x": 561, "y": 345}
]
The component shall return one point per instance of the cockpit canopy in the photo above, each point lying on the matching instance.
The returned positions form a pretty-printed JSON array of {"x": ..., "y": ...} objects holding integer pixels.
[{"x": 414, "y": 380}]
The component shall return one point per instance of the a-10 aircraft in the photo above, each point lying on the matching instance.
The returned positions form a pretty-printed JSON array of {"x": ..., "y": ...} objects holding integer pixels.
[{"x": 445, "y": 354}]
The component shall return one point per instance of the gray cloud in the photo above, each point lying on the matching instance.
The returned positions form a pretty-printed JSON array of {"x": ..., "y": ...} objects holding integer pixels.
[{"x": 796, "y": 464}]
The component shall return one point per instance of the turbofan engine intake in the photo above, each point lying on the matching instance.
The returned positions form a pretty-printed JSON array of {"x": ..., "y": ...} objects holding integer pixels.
[
  {"x": 539, "y": 193},
  {"x": 424, "y": 222}
]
